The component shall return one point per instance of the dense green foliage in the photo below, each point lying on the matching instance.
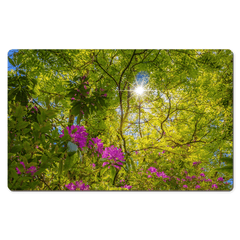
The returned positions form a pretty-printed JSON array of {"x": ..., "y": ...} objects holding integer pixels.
[{"x": 182, "y": 123}]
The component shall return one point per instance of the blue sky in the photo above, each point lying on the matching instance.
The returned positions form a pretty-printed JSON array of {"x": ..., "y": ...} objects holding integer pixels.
[{"x": 10, "y": 53}]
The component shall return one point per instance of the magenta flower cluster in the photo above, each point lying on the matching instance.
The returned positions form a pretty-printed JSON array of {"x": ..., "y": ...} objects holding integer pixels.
[
  {"x": 97, "y": 143},
  {"x": 31, "y": 170},
  {"x": 158, "y": 174},
  {"x": 79, "y": 137},
  {"x": 115, "y": 154},
  {"x": 126, "y": 186},
  {"x": 79, "y": 185},
  {"x": 196, "y": 163},
  {"x": 214, "y": 186}
]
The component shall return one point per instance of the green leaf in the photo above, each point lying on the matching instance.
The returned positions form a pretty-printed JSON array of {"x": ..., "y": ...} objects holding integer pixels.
[
  {"x": 26, "y": 130},
  {"x": 46, "y": 128},
  {"x": 16, "y": 148},
  {"x": 40, "y": 170},
  {"x": 51, "y": 114},
  {"x": 68, "y": 163},
  {"x": 55, "y": 133},
  {"x": 36, "y": 126},
  {"x": 60, "y": 168},
  {"x": 79, "y": 117},
  {"x": 35, "y": 134},
  {"x": 72, "y": 147},
  {"x": 44, "y": 114},
  {"x": 113, "y": 172},
  {"x": 19, "y": 112},
  {"x": 43, "y": 139},
  {"x": 28, "y": 156},
  {"x": 76, "y": 109},
  {"x": 19, "y": 59},
  {"x": 56, "y": 100},
  {"x": 13, "y": 173},
  {"x": 39, "y": 118},
  {"x": 47, "y": 100},
  {"x": 133, "y": 164},
  {"x": 20, "y": 167},
  {"x": 44, "y": 159},
  {"x": 32, "y": 164},
  {"x": 227, "y": 160},
  {"x": 11, "y": 61},
  {"x": 26, "y": 146},
  {"x": 228, "y": 169}
]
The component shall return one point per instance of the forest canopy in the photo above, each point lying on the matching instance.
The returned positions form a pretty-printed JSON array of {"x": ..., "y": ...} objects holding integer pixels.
[{"x": 120, "y": 119}]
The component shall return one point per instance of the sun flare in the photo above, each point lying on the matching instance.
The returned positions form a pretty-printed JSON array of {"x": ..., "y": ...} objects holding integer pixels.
[{"x": 139, "y": 90}]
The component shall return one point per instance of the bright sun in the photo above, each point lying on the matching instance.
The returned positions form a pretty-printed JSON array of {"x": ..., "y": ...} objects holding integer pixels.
[{"x": 139, "y": 90}]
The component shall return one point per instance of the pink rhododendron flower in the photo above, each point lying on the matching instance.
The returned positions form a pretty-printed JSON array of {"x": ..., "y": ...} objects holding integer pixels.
[
  {"x": 185, "y": 186},
  {"x": 32, "y": 170},
  {"x": 18, "y": 171},
  {"x": 85, "y": 86},
  {"x": 79, "y": 137},
  {"x": 214, "y": 186},
  {"x": 113, "y": 153},
  {"x": 97, "y": 143},
  {"x": 79, "y": 185},
  {"x": 104, "y": 95},
  {"x": 152, "y": 169},
  {"x": 202, "y": 174},
  {"x": 220, "y": 179},
  {"x": 105, "y": 163},
  {"x": 198, "y": 186},
  {"x": 188, "y": 178},
  {"x": 161, "y": 174},
  {"x": 72, "y": 98},
  {"x": 82, "y": 186},
  {"x": 116, "y": 166},
  {"x": 71, "y": 186}
]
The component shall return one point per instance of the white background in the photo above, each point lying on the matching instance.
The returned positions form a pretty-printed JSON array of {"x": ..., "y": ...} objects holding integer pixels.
[{"x": 123, "y": 24}]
